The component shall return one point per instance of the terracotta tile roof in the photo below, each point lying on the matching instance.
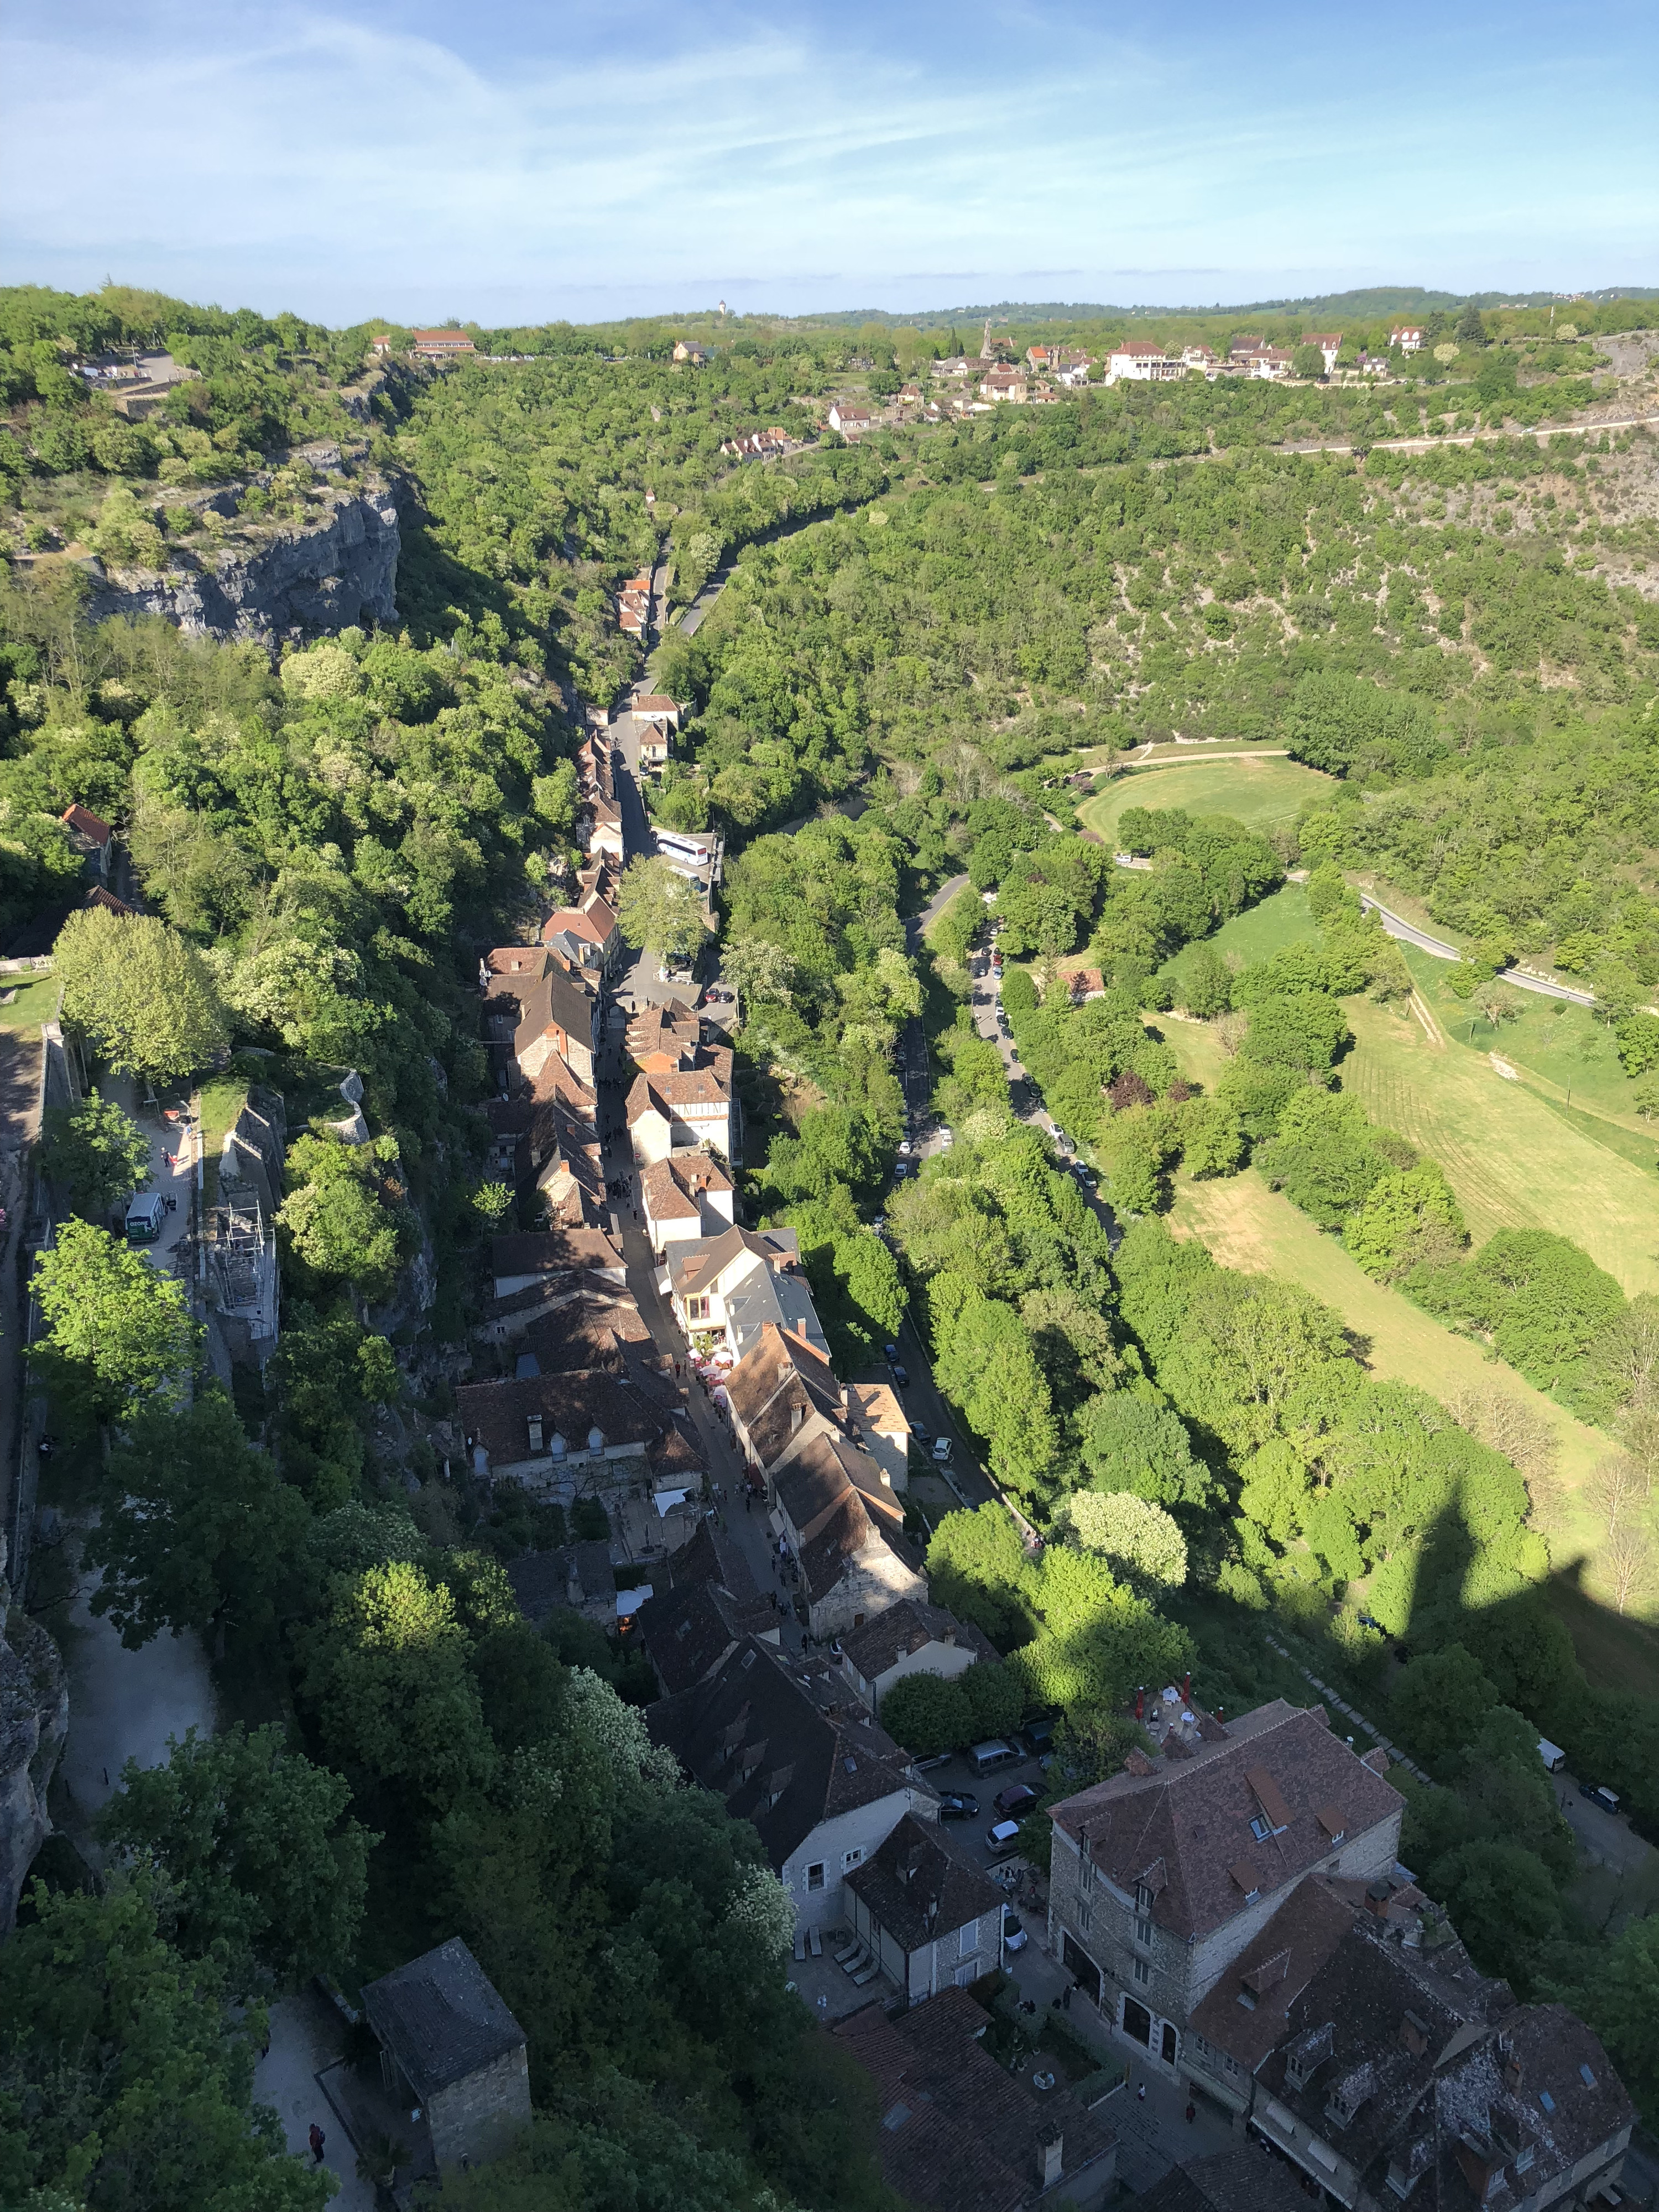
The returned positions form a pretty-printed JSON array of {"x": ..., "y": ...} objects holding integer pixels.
[
  {"x": 918, "y": 1888},
  {"x": 556, "y": 1252},
  {"x": 669, "y": 1188},
  {"x": 905, "y": 1628},
  {"x": 694, "y": 1265},
  {"x": 958, "y": 2132},
  {"x": 1272, "y": 1972},
  {"x": 497, "y": 1415},
  {"x": 1345, "y": 2028},
  {"x": 876, "y": 1406},
  {"x": 1195, "y": 1813},
  {"x": 585, "y": 1332},
  {"x": 778, "y": 1743},
  {"x": 87, "y": 824}
]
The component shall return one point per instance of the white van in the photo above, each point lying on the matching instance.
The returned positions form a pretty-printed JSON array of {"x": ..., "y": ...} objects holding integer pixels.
[
  {"x": 145, "y": 1216},
  {"x": 1003, "y": 1838}
]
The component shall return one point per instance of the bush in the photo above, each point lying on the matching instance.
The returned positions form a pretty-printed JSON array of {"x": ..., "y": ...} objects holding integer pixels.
[{"x": 927, "y": 1714}]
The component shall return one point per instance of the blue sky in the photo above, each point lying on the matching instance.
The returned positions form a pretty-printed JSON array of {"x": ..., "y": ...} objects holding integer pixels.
[{"x": 514, "y": 162}]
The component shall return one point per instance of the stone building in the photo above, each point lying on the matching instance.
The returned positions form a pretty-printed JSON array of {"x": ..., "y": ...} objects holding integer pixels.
[{"x": 452, "y": 2052}]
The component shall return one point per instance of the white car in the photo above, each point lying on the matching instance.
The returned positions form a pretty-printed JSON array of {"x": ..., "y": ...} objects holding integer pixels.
[{"x": 942, "y": 1450}]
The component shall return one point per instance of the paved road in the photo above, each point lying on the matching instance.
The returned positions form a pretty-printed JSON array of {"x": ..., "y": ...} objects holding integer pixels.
[
  {"x": 1420, "y": 444},
  {"x": 1408, "y": 933}
]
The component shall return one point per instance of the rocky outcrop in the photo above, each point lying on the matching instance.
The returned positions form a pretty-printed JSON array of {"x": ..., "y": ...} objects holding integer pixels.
[
  {"x": 291, "y": 584},
  {"x": 33, "y": 1721}
]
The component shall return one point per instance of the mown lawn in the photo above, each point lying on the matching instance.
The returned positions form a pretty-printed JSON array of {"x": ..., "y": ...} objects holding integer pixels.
[
  {"x": 1261, "y": 791},
  {"x": 1258, "y": 1231},
  {"x": 36, "y": 1002},
  {"x": 1515, "y": 1157}
]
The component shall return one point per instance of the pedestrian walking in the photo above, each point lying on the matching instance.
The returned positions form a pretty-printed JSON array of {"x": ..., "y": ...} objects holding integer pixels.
[
  {"x": 1140, "y": 2094},
  {"x": 1192, "y": 2112},
  {"x": 317, "y": 2139}
]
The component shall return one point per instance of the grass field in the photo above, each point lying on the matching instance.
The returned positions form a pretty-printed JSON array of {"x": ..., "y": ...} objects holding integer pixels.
[
  {"x": 1258, "y": 1231},
  {"x": 1516, "y": 1158},
  {"x": 1261, "y": 791},
  {"x": 36, "y": 1002}
]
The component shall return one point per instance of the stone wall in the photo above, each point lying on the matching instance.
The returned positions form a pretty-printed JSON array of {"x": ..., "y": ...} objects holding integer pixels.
[
  {"x": 33, "y": 1721},
  {"x": 477, "y": 2119}
]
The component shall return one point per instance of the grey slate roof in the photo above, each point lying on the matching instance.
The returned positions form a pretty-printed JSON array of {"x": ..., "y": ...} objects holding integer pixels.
[
  {"x": 1242, "y": 2179},
  {"x": 919, "y": 1889},
  {"x": 440, "y": 2018},
  {"x": 785, "y": 1745}
]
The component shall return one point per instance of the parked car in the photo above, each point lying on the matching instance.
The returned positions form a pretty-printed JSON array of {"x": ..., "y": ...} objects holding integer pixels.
[
  {"x": 956, "y": 1805},
  {"x": 1014, "y": 1938},
  {"x": 1003, "y": 1838},
  {"x": 904, "y": 1148},
  {"x": 942, "y": 1450},
  {"x": 901, "y": 1169},
  {"x": 901, "y": 1376},
  {"x": 1038, "y": 1736},
  {"x": 890, "y": 1352},
  {"x": 1016, "y": 1800},
  {"x": 986, "y": 1757},
  {"x": 1599, "y": 1794}
]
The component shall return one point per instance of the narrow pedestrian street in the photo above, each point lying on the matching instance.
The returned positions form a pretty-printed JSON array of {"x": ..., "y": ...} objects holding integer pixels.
[{"x": 745, "y": 1525}]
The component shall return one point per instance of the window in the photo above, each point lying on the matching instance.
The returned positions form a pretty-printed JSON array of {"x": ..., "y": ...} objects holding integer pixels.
[
  {"x": 815, "y": 1875},
  {"x": 851, "y": 1858},
  {"x": 1144, "y": 1932},
  {"x": 1143, "y": 1972},
  {"x": 696, "y": 1310},
  {"x": 1085, "y": 1913},
  {"x": 1261, "y": 1828}
]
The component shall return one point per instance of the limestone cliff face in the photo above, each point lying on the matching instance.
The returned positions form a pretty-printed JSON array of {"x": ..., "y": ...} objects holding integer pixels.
[
  {"x": 292, "y": 584},
  {"x": 33, "y": 1721}
]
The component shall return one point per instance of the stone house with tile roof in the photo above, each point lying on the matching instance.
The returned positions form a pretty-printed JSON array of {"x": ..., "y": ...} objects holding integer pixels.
[
  {"x": 685, "y": 1198},
  {"x": 532, "y": 1008},
  {"x": 846, "y": 1530},
  {"x": 452, "y": 2052},
  {"x": 930, "y": 1918},
  {"x": 910, "y": 1637},
  {"x": 1162, "y": 1874},
  {"x": 876, "y": 1419},
  {"x": 780, "y": 1395},
  {"x": 781, "y": 1742},
  {"x": 961, "y": 2134},
  {"x": 733, "y": 1285},
  {"x": 711, "y": 1604},
  {"x": 1401, "y": 2070},
  {"x": 680, "y": 1109}
]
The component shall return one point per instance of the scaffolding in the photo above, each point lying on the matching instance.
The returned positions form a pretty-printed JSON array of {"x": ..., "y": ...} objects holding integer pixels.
[{"x": 241, "y": 1253}]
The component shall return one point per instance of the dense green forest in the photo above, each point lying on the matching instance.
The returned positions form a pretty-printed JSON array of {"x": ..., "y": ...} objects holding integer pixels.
[{"x": 921, "y": 635}]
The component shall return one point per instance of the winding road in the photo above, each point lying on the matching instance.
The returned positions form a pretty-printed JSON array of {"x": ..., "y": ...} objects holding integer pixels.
[{"x": 1437, "y": 947}]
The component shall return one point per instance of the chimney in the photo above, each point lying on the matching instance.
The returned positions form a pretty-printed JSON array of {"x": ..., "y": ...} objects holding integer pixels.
[
  {"x": 1051, "y": 2160},
  {"x": 948, "y": 1635},
  {"x": 1512, "y": 2070},
  {"x": 795, "y": 1419},
  {"x": 535, "y": 1432}
]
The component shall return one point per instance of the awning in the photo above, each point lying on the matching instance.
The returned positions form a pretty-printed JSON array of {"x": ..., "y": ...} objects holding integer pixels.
[
  {"x": 629, "y": 1602},
  {"x": 667, "y": 1500}
]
